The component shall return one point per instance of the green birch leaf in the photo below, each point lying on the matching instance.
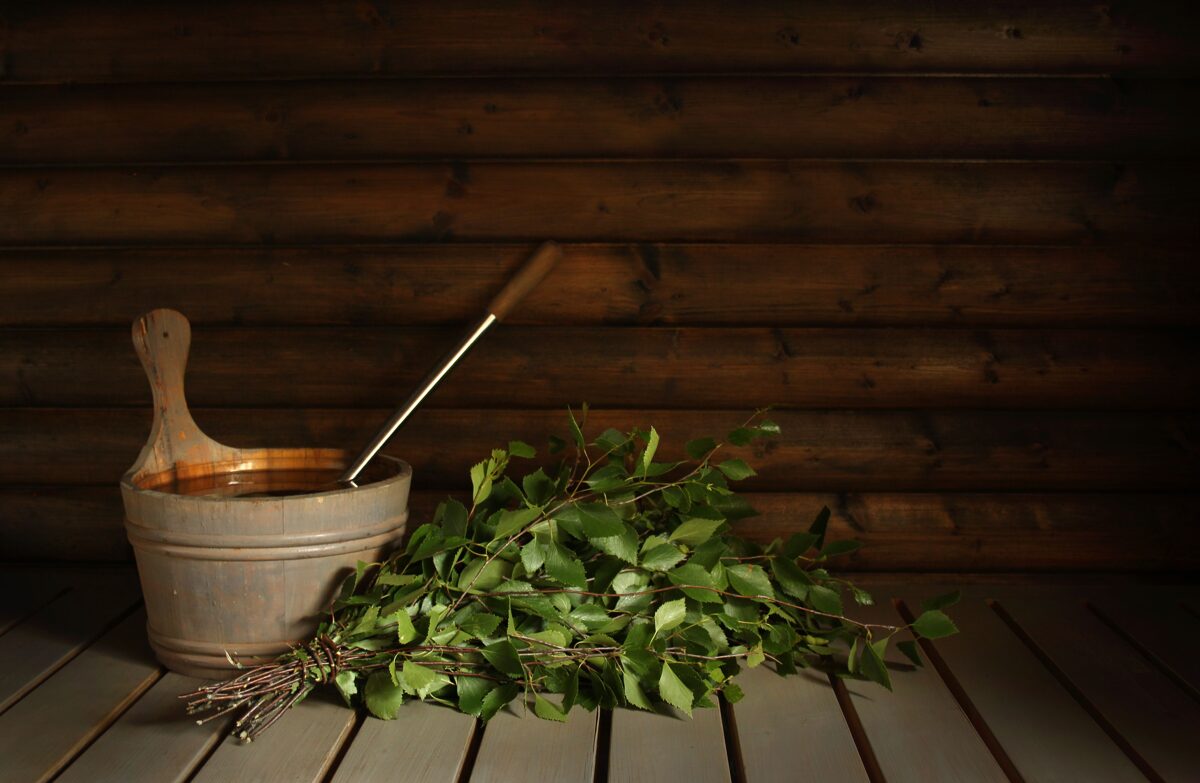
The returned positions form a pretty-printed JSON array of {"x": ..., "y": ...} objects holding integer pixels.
[
  {"x": 799, "y": 543},
  {"x": 755, "y": 656},
  {"x": 673, "y": 691},
  {"x": 934, "y": 624},
  {"x": 347, "y": 685},
  {"x": 819, "y": 526},
  {"x": 598, "y": 520},
  {"x": 634, "y": 695},
  {"x": 624, "y": 545},
  {"x": 504, "y": 657},
  {"x": 696, "y": 578},
  {"x": 576, "y": 430},
  {"x": 909, "y": 648},
  {"x": 454, "y": 518},
  {"x": 422, "y": 680},
  {"x": 496, "y": 698},
  {"x": 871, "y": 663},
  {"x": 563, "y": 567},
  {"x": 824, "y": 599},
  {"x": 942, "y": 601},
  {"x": 513, "y": 521},
  {"x": 538, "y": 487},
  {"x": 669, "y": 615},
  {"x": 750, "y": 580},
  {"x": 732, "y": 692},
  {"x": 791, "y": 577},
  {"x": 481, "y": 482},
  {"x": 742, "y": 436},
  {"x": 471, "y": 692},
  {"x": 532, "y": 556},
  {"x": 648, "y": 454},
  {"x": 405, "y": 631},
  {"x": 697, "y": 449},
  {"x": 835, "y": 548},
  {"x": 736, "y": 469},
  {"x": 862, "y": 597},
  {"x": 519, "y": 448},
  {"x": 547, "y": 710},
  {"x": 382, "y": 697},
  {"x": 480, "y": 625},
  {"x": 695, "y": 531},
  {"x": 661, "y": 557}
]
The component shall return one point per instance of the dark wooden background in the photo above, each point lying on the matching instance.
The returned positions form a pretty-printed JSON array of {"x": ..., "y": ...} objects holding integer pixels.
[{"x": 954, "y": 242}]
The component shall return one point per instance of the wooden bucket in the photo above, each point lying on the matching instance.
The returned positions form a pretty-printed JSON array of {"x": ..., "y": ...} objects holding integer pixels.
[{"x": 243, "y": 575}]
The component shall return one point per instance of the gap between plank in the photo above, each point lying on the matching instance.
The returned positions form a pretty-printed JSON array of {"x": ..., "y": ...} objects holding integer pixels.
[
  {"x": 89, "y": 739},
  {"x": 215, "y": 743},
  {"x": 35, "y": 609},
  {"x": 603, "y": 745},
  {"x": 1113, "y": 733},
  {"x": 964, "y": 701},
  {"x": 1145, "y": 651},
  {"x": 733, "y": 743},
  {"x": 473, "y": 745},
  {"x": 30, "y": 686},
  {"x": 857, "y": 732},
  {"x": 360, "y": 718}
]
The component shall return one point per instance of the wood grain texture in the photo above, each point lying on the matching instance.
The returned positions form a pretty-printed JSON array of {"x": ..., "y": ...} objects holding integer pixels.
[
  {"x": 1156, "y": 622},
  {"x": 810, "y": 117},
  {"x": 1151, "y": 712},
  {"x": 918, "y": 732},
  {"x": 1012, "y": 202},
  {"x": 642, "y": 284},
  {"x": 820, "y": 451},
  {"x": 41, "y": 734},
  {"x": 67, "y": 41},
  {"x": 59, "y": 631},
  {"x": 648, "y": 747},
  {"x": 629, "y": 367},
  {"x": 424, "y": 744},
  {"x": 1046, "y": 733},
  {"x": 154, "y": 740},
  {"x": 300, "y": 747},
  {"x": 900, "y": 531},
  {"x": 25, "y": 590},
  {"x": 517, "y": 745},
  {"x": 779, "y": 716}
]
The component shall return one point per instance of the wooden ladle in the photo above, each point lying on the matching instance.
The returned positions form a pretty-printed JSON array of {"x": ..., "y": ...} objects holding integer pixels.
[{"x": 526, "y": 279}]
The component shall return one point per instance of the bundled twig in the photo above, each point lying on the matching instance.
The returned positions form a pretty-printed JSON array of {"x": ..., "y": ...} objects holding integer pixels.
[{"x": 613, "y": 581}]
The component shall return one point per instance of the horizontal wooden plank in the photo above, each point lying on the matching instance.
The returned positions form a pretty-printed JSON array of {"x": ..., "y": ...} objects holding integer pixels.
[
  {"x": 819, "y": 450},
  {"x": 56, "y": 633},
  {"x": 1145, "y": 707},
  {"x": 809, "y": 117},
  {"x": 628, "y": 367},
  {"x": 71, "y": 41},
  {"x": 742, "y": 285},
  {"x": 1044, "y": 732},
  {"x": 1012, "y": 202},
  {"x": 517, "y": 745},
  {"x": 44, "y": 731},
  {"x": 900, "y": 531},
  {"x": 154, "y": 740},
  {"x": 647, "y": 747},
  {"x": 429, "y": 742}
]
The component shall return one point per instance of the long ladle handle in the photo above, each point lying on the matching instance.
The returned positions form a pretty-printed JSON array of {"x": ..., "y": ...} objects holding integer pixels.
[{"x": 524, "y": 281}]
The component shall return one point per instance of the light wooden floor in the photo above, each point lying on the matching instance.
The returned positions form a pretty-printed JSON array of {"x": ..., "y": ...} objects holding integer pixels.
[{"x": 1062, "y": 682}]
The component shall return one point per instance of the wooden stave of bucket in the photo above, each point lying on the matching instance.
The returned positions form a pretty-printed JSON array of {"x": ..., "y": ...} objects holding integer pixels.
[{"x": 246, "y": 577}]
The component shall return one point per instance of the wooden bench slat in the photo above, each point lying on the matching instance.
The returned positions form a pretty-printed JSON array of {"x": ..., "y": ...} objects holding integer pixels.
[
  {"x": 1042, "y": 729},
  {"x": 154, "y": 741},
  {"x": 1157, "y": 622},
  {"x": 60, "y": 629},
  {"x": 1151, "y": 712},
  {"x": 43, "y": 731},
  {"x": 649, "y": 747},
  {"x": 918, "y": 732},
  {"x": 793, "y": 728},
  {"x": 518, "y": 745},
  {"x": 300, "y": 747},
  {"x": 23, "y": 591},
  {"x": 425, "y": 742}
]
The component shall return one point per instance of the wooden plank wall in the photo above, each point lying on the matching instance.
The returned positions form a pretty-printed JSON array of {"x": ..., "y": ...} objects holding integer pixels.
[{"x": 954, "y": 242}]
